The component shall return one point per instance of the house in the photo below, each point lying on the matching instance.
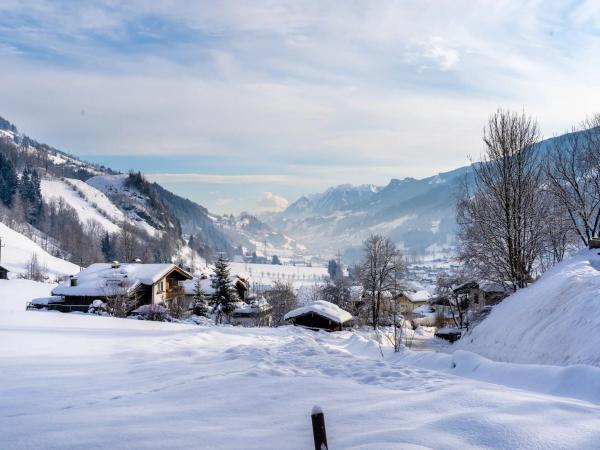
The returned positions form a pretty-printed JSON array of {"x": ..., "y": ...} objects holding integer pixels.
[
  {"x": 320, "y": 315},
  {"x": 3, "y": 273},
  {"x": 410, "y": 300},
  {"x": 481, "y": 294},
  {"x": 144, "y": 283},
  {"x": 252, "y": 313}
]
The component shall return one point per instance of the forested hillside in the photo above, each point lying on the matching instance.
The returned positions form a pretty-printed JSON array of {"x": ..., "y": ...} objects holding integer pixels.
[{"x": 85, "y": 212}]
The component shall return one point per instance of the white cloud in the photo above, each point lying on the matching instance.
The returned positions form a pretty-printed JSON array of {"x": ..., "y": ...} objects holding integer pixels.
[
  {"x": 291, "y": 85},
  {"x": 220, "y": 202},
  {"x": 268, "y": 201}
]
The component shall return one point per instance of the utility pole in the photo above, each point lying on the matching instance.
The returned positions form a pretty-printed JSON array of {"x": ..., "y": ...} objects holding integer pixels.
[{"x": 1, "y": 245}]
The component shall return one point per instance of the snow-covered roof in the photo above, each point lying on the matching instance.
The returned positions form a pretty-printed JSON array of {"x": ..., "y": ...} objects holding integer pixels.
[
  {"x": 322, "y": 308},
  {"x": 259, "y": 305},
  {"x": 98, "y": 279},
  {"x": 418, "y": 296},
  {"x": 47, "y": 300}
]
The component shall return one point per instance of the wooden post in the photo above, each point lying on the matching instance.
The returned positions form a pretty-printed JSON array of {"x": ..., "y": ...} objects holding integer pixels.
[{"x": 318, "y": 425}]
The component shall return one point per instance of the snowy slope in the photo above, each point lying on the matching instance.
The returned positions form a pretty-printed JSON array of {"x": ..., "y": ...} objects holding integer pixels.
[
  {"x": 554, "y": 321},
  {"x": 19, "y": 249},
  {"x": 76, "y": 381},
  {"x": 90, "y": 204},
  {"x": 135, "y": 204}
]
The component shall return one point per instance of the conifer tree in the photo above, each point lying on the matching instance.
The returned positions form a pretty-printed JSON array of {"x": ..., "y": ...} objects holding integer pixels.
[
  {"x": 8, "y": 181},
  {"x": 31, "y": 195},
  {"x": 199, "y": 299},
  {"x": 107, "y": 247},
  {"x": 224, "y": 295}
]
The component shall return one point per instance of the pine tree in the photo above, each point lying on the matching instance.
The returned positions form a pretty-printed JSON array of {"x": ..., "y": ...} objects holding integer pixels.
[
  {"x": 8, "y": 181},
  {"x": 224, "y": 295},
  {"x": 199, "y": 298},
  {"x": 31, "y": 195},
  {"x": 107, "y": 247}
]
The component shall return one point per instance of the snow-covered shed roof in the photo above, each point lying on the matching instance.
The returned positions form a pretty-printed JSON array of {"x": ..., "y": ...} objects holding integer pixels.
[
  {"x": 98, "y": 279},
  {"x": 418, "y": 296},
  {"x": 257, "y": 306},
  {"x": 322, "y": 308}
]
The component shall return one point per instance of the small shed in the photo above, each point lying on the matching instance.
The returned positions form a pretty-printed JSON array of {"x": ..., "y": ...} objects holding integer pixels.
[
  {"x": 3, "y": 273},
  {"x": 320, "y": 315},
  {"x": 252, "y": 313}
]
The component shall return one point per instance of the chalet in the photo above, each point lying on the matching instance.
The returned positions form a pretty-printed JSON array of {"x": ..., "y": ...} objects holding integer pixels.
[
  {"x": 481, "y": 294},
  {"x": 410, "y": 300},
  {"x": 146, "y": 283},
  {"x": 320, "y": 315},
  {"x": 3, "y": 273}
]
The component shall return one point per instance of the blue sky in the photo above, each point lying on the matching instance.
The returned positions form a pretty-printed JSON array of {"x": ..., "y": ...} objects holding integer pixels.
[{"x": 247, "y": 105}]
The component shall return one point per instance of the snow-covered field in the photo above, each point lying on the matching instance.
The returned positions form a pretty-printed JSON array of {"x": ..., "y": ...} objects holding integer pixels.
[{"x": 76, "y": 381}]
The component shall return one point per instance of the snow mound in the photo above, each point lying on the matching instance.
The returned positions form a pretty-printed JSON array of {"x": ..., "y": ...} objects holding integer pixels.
[
  {"x": 553, "y": 321},
  {"x": 323, "y": 308},
  {"x": 19, "y": 249}
]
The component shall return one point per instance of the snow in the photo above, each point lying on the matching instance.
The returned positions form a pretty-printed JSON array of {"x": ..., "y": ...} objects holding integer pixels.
[
  {"x": 55, "y": 189},
  {"x": 418, "y": 296},
  {"x": 323, "y": 308},
  {"x": 267, "y": 274},
  {"x": 19, "y": 249},
  {"x": 47, "y": 300},
  {"x": 79, "y": 381},
  {"x": 553, "y": 321}
]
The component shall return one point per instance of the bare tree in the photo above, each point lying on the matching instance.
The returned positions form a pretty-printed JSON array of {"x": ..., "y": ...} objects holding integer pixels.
[
  {"x": 177, "y": 303},
  {"x": 282, "y": 299},
  {"x": 457, "y": 304},
  {"x": 120, "y": 298},
  {"x": 573, "y": 173},
  {"x": 377, "y": 272},
  {"x": 398, "y": 319},
  {"x": 35, "y": 271},
  {"x": 500, "y": 216}
]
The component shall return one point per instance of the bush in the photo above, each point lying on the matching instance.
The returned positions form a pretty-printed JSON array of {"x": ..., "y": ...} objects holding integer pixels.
[{"x": 156, "y": 313}]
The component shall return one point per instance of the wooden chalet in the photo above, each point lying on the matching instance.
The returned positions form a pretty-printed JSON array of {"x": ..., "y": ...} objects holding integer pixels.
[
  {"x": 144, "y": 283},
  {"x": 320, "y": 315}
]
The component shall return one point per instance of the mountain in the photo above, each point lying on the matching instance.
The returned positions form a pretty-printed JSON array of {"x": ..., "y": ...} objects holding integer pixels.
[
  {"x": 114, "y": 201},
  {"x": 417, "y": 214}
]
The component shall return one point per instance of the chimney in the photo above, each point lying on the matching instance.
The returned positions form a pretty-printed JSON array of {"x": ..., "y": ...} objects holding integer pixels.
[
  {"x": 115, "y": 265},
  {"x": 73, "y": 281}
]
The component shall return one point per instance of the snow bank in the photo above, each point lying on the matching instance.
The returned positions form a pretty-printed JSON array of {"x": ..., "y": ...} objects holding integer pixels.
[
  {"x": 19, "y": 249},
  {"x": 554, "y": 321},
  {"x": 576, "y": 381}
]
